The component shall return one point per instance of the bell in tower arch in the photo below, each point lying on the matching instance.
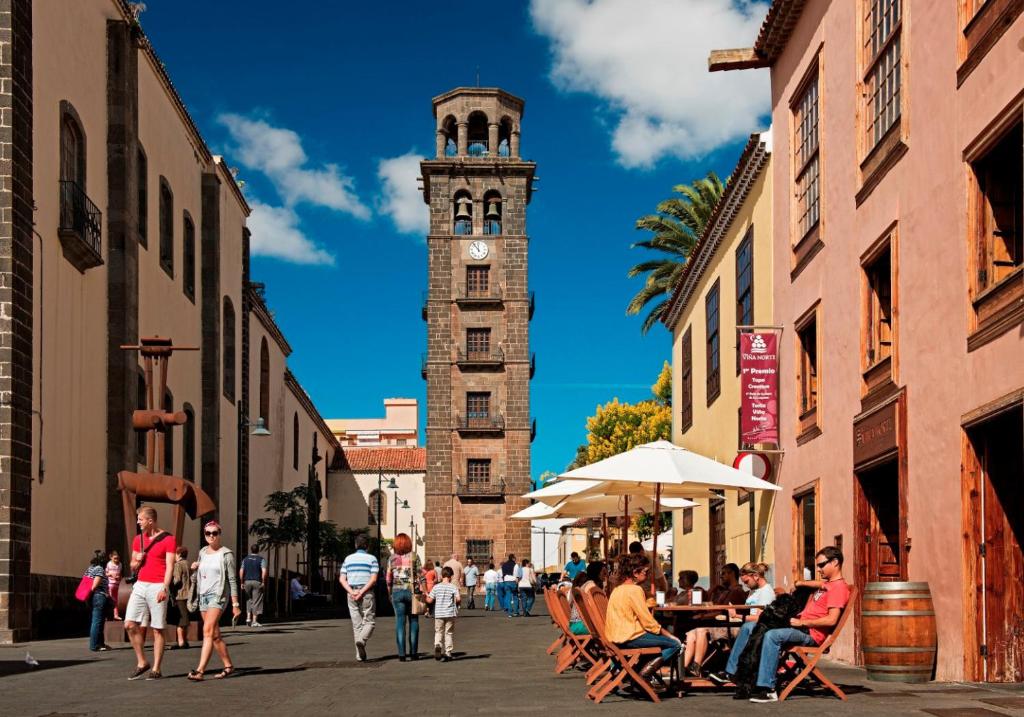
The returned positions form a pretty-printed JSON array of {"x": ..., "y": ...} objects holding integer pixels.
[
  {"x": 462, "y": 209},
  {"x": 493, "y": 211}
]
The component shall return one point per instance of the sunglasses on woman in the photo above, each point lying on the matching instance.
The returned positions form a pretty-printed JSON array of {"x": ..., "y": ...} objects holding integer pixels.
[{"x": 211, "y": 533}]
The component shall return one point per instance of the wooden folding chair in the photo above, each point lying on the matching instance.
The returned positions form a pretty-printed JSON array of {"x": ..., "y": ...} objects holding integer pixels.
[
  {"x": 576, "y": 646},
  {"x": 602, "y": 662},
  {"x": 622, "y": 662},
  {"x": 559, "y": 642},
  {"x": 807, "y": 657}
]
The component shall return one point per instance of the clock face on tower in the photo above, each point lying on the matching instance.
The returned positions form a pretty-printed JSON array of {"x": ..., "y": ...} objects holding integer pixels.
[{"x": 478, "y": 250}]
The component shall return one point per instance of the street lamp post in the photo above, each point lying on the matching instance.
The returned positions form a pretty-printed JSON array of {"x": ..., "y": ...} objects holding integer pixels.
[
  {"x": 314, "y": 494},
  {"x": 380, "y": 506}
]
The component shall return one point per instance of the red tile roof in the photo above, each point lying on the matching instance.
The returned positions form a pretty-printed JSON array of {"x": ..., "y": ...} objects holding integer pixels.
[{"x": 388, "y": 458}]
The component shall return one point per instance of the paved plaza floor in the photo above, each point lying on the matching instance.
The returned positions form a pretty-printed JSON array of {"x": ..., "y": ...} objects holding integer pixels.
[{"x": 308, "y": 668}]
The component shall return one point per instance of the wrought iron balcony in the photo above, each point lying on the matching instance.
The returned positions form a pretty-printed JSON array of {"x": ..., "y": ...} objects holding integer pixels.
[
  {"x": 533, "y": 364},
  {"x": 480, "y": 423},
  {"x": 466, "y": 295},
  {"x": 477, "y": 148},
  {"x": 423, "y": 365},
  {"x": 490, "y": 358},
  {"x": 480, "y": 488},
  {"x": 533, "y": 429},
  {"x": 423, "y": 305},
  {"x": 533, "y": 302},
  {"x": 80, "y": 228}
]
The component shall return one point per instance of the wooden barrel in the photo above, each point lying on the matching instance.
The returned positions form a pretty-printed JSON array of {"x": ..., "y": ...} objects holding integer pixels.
[{"x": 898, "y": 632}]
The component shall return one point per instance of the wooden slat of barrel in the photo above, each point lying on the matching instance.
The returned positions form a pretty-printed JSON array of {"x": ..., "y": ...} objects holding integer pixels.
[{"x": 898, "y": 632}]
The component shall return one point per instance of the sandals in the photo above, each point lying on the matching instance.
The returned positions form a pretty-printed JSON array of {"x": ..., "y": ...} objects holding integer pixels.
[
  {"x": 226, "y": 672},
  {"x": 195, "y": 675}
]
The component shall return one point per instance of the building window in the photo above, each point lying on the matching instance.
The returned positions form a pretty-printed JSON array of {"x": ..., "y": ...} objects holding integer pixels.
[
  {"x": 478, "y": 471},
  {"x": 478, "y": 405},
  {"x": 478, "y": 280},
  {"x": 168, "y": 436},
  {"x": 72, "y": 150},
  {"x": 166, "y": 227},
  {"x": 189, "y": 259},
  {"x": 713, "y": 344},
  {"x": 188, "y": 468},
  {"x": 264, "y": 412},
  {"x": 882, "y": 69},
  {"x": 806, "y": 159},
  {"x": 295, "y": 441},
  {"x": 687, "y": 520},
  {"x": 807, "y": 372},
  {"x": 878, "y": 311},
  {"x": 744, "y": 286},
  {"x": 142, "y": 177},
  {"x": 805, "y": 521},
  {"x": 480, "y": 551},
  {"x": 999, "y": 221},
  {"x": 478, "y": 343},
  {"x": 686, "y": 383},
  {"x": 378, "y": 507},
  {"x": 229, "y": 349}
]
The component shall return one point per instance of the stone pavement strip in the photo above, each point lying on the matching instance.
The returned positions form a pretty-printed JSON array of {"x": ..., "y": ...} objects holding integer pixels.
[{"x": 309, "y": 668}]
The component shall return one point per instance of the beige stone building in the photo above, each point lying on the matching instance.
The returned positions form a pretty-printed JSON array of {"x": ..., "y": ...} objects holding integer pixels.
[
  {"x": 118, "y": 223},
  {"x": 478, "y": 363},
  {"x": 727, "y": 283},
  {"x": 398, "y": 427}
]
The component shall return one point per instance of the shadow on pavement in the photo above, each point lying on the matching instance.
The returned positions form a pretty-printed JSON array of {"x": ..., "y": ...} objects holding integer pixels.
[{"x": 18, "y": 667}]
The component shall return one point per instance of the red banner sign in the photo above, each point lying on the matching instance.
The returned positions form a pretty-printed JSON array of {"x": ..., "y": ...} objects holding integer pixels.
[{"x": 759, "y": 387}]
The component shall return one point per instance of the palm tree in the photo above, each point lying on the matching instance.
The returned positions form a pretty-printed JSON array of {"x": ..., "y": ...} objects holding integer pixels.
[{"x": 677, "y": 227}]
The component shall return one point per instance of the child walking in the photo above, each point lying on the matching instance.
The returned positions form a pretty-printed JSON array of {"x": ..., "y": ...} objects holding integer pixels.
[
  {"x": 113, "y": 571},
  {"x": 445, "y": 598}
]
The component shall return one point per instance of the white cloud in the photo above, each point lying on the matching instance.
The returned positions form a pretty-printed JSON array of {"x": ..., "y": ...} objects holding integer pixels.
[
  {"x": 277, "y": 152},
  {"x": 647, "y": 59},
  {"x": 276, "y": 233},
  {"x": 402, "y": 199}
]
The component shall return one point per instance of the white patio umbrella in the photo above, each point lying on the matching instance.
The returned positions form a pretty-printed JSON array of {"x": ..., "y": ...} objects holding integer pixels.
[
  {"x": 672, "y": 470},
  {"x": 665, "y": 539},
  {"x": 560, "y": 489}
]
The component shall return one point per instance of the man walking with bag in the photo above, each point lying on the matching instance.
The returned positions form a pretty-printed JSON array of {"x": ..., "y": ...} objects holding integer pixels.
[
  {"x": 147, "y": 606},
  {"x": 358, "y": 576},
  {"x": 253, "y": 574}
]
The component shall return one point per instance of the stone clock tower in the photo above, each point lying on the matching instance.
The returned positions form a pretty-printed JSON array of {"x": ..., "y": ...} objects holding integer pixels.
[{"x": 478, "y": 308}]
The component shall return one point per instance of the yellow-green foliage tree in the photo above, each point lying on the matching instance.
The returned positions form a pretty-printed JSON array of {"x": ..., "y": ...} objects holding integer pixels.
[
  {"x": 617, "y": 427},
  {"x": 662, "y": 388}
]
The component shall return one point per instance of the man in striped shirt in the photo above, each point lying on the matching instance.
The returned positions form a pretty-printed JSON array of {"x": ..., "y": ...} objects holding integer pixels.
[
  {"x": 445, "y": 598},
  {"x": 358, "y": 575}
]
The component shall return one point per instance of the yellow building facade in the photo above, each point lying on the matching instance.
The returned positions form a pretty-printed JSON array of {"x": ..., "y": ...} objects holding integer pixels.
[{"x": 728, "y": 283}]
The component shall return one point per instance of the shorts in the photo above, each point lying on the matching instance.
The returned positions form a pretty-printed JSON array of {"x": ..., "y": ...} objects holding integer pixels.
[
  {"x": 212, "y": 601},
  {"x": 143, "y": 608}
]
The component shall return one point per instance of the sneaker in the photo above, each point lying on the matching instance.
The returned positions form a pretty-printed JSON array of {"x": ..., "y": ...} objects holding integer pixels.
[
  {"x": 437, "y": 652},
  {"x": 248, "y": 623},
  {"x": 763, "y": 695},
  {"x": 139, "y": 672},
  {"x": 720, "y": 678},
  {"x": 361, "y": 651},
  {"x": 741, "y": 693},
  {"x": 446, "y": 658},
  {"x": 153, "y": 675},
  {"x": 256, "y": 624}
]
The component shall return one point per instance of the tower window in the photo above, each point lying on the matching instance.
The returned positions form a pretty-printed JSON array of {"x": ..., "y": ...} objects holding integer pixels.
[
  {"x": 477, "y": 135},
  {"x": 478, "y": 405},
  {"x": 505, "y": 137},
  {"x": 462, "y": 223},
  {"x": 478, "y": 343},
  {"x": 478, "y": 280},
  {"x": 449, "y": 131},
  {"x": 492, "y": 213},
  {"x": 478, "y": 470}
]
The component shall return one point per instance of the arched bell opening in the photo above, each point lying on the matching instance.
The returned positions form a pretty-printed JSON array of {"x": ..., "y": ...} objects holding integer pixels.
[
  {"x": 505, "y": 137},
  {"x": 448, "y": 144},
  {"x": 477, "y": 135},
  {"x": 492, "y": 212},
  {"x": 462, "y": 213}
]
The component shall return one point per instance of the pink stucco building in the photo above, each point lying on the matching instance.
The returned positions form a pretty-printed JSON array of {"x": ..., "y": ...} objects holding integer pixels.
[{"x": 898, "y": 281}]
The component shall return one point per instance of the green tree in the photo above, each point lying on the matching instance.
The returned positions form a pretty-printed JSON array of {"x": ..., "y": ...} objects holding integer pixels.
[
  {"x": 677, "y": 226},
  {"x": 618, "y": 427},
  {"x": 662, "y": 388},
  {"x": 643, "y": 524},
  {"x": 580, "y": 459}
]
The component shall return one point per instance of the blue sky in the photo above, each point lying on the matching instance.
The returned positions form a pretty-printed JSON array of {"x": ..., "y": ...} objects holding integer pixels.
[{"x": 319, "y": 105}]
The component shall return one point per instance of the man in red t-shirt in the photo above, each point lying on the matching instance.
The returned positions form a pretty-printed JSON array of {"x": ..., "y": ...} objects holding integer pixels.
[
  {"x": 152, "y": 561},
  {"x": 815, "y": 623}
]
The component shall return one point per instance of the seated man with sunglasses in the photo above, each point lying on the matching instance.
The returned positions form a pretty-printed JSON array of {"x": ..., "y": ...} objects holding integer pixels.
[{"x": 817, "y": 620}]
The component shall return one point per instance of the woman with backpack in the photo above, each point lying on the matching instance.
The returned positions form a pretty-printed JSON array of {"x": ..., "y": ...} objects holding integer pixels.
[{"x": 402, "y": 580}]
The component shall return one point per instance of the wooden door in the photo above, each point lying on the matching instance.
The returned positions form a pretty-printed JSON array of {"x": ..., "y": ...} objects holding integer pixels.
[
  {"x": 1000, "y": 511},
  {"x": 717, "y": 527},
  {"x": 882, "y": 524}
]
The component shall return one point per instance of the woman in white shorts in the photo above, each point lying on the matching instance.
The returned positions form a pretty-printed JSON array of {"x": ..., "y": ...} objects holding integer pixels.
[{"x": 216, "y": 582}]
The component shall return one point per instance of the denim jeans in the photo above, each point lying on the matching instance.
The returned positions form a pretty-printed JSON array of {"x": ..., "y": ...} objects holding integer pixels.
[
  {"x": 402, "y": 602},
  {"x": 490, "y": 595},
  {"x": 527, "y": 596},
  {"x": 98, "y": 601},
  {"x": 771, "y": 649},
  {"x": 508, "y": 597},
  {"x": 669, "y": 645}
]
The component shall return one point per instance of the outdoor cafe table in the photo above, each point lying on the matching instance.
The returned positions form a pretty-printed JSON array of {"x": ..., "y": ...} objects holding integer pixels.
[{"x": 670, "y": 610}]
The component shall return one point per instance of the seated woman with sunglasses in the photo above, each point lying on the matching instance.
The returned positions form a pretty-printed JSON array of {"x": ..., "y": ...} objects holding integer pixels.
[
  {"x": 216, "y": 582},
  {"x": 629, "y": 623}
]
